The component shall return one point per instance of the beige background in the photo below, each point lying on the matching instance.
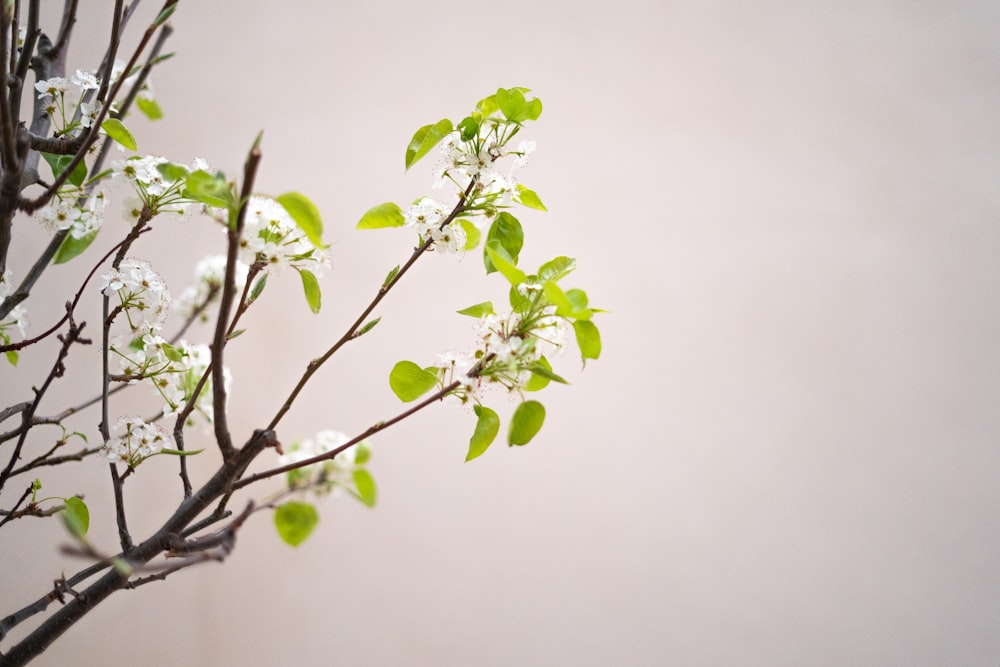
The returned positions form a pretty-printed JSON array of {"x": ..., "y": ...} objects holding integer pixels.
[{"x": 787, "y": 453}]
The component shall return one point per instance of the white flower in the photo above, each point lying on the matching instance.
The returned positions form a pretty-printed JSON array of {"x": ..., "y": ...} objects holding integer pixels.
[
  {"x": 210, "y": 273},
  {"x": 271, "y": 235},
  {"x": 524, "y": 150},
  {"x": 85, "y": 80},
  {"x": 142, "y": 293},
  {"x": 57, "y": 85},
  {"x": 89, "y": 111},
  {"x": 135, "y": 441}
]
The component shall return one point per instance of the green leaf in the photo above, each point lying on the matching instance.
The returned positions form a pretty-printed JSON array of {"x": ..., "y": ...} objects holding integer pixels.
[
  {"x": 487, "y": 427},
  {"x": 541, "y": 368},
  {"x": 295, "y": 521},
  {"x": 498, "y": 256},
  {"x": 367, "y": 327},
  {"x": 409, "y": 381},
  {"x": 588, "y": 338},
  {"x": 171, "y": 171},
  {"x": 305, "y": 214},
  {"x": 526, "y": 422},
  {"x": 518, "y": 302},
  {"x": 515, "y": 107},
  {"x": 390, "y": 276},
  {"x": 365, "y": 485},
  {"x": 210, "y": 189},
  {"x": 478, "y": 310},
  {"x": 12, "y": 357},
  {"x": 556, "y": 269},
  {"x": 117, "y": 131},
  {"x": 177, "y": 452},
  {"x": 383, "y": 215},
  {"x": 71, "y": 247},
  {"x": 472, "y": 234},
  {"x": 425, "y": 139},
  {"x": 311, "y": 287},
  {"x": 487, "y": 105},
  {"x": 572, "y": 303},
  {"x": 469, "y": 128},
  {"x": 76, "y": 516},
  {"x": 258, "y": 287},
  {"x": 362, "y": 452},
  {"x": 236, "y": 334},
  {"x": 58, "y": 163},
  {"x": 507, "y": 232},
  {"x": 537, "y": 382},
  {"x": 165, "y": 14},
  {"x": 171, "y": 352},
  {"x": 529, "y": 198},
  {"x": 149, "y": 107}
]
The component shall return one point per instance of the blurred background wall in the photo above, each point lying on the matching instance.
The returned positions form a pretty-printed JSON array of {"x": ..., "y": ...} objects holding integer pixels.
[{"x": 787, "y": 453}]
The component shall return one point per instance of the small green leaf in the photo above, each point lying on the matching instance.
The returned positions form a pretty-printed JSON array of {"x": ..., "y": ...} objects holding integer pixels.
[
  {"x": 515, "y": 107},
  {"x": 165, "y": 14},
  {"x": 529, "y": 198},
  {"x": 149, "y": 107},
  {"x": 311, "y": 287},
  {"x": 571, "y": 303},
  {"x": 171, "y": 352},
  {"x": 526, "y": 422},
  {"x": 383, "y": 215},
  {"x": 478, "y": 310},
  {"x": 258, "y": 287},
  {"x": 12, "y": 357},
  {"x": 425, "y": 139},
  {"x": 588, "y": 338},
  {"x": 487, "y": 105},
  {"x": 472, "y": 234},
  {"x": 236, "y": 334},
  {"x": 368, "y": 327},
  {"x": 390, "y": 276},
  {"x": 537, "y": 382},
  {"x": 365, "y": 485},
  {"x": 58, "y": 163},
  {"x": 171, "y": 171},
  {"x": 71, "y": 247},
  {"x": 409, "y": 381},
  {"x": 177, "y": 452},
  {"x": 541, "y": 368},
  {"x": 362, "y": 453},
  {"x": 210, "y": 189},
  {"x": 295, "y": 521},
  {"x": 487, "y": 427},
  {"x": 469, "y": 128},
  {"x": 76, "y": 516},
  {"x": 519, "y": 303},
  {"x": 498, "y": 256},
  {"x": 117, "y": 131},
  {"x": 305, "y": 214},
  {"x": 506, "y": 231},
  {"x": 556, "y": 269}
]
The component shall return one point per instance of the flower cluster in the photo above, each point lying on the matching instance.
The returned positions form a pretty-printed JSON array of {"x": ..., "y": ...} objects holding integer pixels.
[
  {"x": 340, "y": 472},
  {"x": 71, "y": 209},
  {"x": 155, "y": 191},
  {"x": 135, "y": 441},
  {"x": 510, "y": 349},
  {"x": 142, "y": 294},
  {"x": 270, "y": 236},
  {"x": 209, "y": 274},
  {"x": 71, "y": 110}
]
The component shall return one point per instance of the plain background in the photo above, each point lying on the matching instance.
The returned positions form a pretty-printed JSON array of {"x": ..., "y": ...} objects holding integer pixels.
[{"x": 788, "y": 451}]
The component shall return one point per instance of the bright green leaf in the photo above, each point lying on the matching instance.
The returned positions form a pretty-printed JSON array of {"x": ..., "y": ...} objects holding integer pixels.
[
  {"x": 368, "y": 326},
  {"x": 515, "y": 107},
  {"x": 526, "y": 422},
  {"x": 210, "y": 189},
  {"x": 258, "y": 287},
  {"x": 557, "y": 268},
  {"x": 77, "y": 516},
  {"x": 425, "y": 139},
  {"x": 171, "y": 352},
  {"x": 519, "y": 303},
  {"x": 295, "y": 521},
  {"x": 305, "y": 214},
  {"x": 507, "y": 232},
  {"x": 390, "y": 276},
  {"x": 178, "y": 452},
  {"x": 588, "y": 338},
  {"x": 409, "y": 381},
  {"x": 498, "y": 256},
  {"x": 71, "y": 247},
  {"x": 171, "y": 171},
  {"x": 58, "y": 163},
  {"x": 487, "y": 105},
  {"x": 362, "y": 452},
  {"x": 537, "y": 381},
  {"x": 487, "y": 427},
  {"x": 12, "y": 357},
  {"x": 165, "y": 14},
  {"x": 478, "y": 310},
  {"x": 149, "y": 107},
  {"x": 529, "y": 198},
  {"x": 383, "y": 215},
  {"x": 472, "y": 234},
  {"x": 311, "y": 287},
  {"x": 365, "y": 485},
  {"x": 469, "y": 128},
  {"x": 541, "y": 368},
  {"x": 117, "y": 131}
]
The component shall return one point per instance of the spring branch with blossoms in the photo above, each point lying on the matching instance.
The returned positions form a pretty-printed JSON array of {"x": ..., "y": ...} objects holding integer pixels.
[{"x": 76, "y": 119}]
